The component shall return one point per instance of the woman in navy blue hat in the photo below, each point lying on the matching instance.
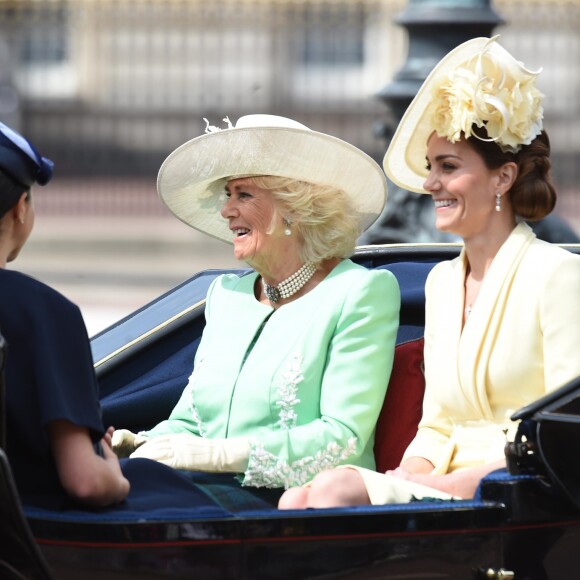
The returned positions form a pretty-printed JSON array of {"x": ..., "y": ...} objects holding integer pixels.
[
  {"x": 56, "y": 443},
  {"x": 58, "y": 447}
]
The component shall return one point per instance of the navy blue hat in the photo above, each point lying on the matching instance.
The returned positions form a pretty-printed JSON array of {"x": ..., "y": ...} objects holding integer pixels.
[{"x": 20, "y": 159}]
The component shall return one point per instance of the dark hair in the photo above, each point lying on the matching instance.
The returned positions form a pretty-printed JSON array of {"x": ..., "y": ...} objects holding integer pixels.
[
  {"x": 532, "y": 195},
  {"x": 10, "y": 192}
]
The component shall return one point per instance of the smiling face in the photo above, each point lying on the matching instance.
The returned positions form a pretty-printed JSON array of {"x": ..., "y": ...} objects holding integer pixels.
[
  {"x": 463, "y": 188},
  {"x": 257, "y": 227}
]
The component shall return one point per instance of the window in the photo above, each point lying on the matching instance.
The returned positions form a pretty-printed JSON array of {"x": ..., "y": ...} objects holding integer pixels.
[{"x": 333, "y": 36}]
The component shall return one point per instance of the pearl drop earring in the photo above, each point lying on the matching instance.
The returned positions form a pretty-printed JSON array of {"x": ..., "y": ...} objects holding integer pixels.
[
  {"x": 288, "y": 230},
  {"x": 498, "y": 201}
]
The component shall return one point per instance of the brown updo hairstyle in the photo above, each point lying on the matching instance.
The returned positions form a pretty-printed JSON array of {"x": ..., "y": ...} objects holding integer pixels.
[{"x": 532, "y": 195}]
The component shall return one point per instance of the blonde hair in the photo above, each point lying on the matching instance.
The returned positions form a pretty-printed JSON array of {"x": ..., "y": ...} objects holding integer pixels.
[{"x": 323, "y": 215}]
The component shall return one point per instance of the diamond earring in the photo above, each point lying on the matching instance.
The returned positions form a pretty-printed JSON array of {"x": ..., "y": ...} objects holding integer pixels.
[{"x": 498, "y": 201}]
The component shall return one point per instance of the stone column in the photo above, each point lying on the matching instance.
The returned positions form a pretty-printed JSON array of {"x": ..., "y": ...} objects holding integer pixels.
[{"x": 434, "y": 28}]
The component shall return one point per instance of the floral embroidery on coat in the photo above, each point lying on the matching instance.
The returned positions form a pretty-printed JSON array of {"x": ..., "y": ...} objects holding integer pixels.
[
  {"x": 192, "y": 406},
  {"x": 291, "y": 376},
  {"x": 267, "y": 470}
]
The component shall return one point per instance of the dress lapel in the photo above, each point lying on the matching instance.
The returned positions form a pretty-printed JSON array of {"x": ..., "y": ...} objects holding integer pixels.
[{"x": 480, "y": 331}]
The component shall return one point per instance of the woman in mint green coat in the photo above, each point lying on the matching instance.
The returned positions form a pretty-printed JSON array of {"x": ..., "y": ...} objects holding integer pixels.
[{"x": 293, "y": 365}]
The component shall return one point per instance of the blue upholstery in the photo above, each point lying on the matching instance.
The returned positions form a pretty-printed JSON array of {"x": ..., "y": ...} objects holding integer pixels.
[{"x": 411, "y": 277}]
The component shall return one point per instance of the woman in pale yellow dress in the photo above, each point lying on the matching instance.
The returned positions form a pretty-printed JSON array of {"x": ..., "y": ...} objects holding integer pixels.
[{"x": 502, "y": 319}]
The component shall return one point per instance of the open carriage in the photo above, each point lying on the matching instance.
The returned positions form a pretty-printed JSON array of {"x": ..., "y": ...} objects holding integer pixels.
[{"x": 524, "y": 522}]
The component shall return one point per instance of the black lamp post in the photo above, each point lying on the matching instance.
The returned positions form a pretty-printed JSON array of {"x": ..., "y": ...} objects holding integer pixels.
[{"x": 434, "y": 28}]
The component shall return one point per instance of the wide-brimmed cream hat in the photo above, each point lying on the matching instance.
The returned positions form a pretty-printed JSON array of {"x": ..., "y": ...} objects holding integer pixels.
[
  {"x": 478, "y": 82},
  {"x": 191, "y": 181}
]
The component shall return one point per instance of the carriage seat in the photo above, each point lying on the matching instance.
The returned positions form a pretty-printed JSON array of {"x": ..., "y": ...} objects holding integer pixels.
[{"x": 402, "y": 407}]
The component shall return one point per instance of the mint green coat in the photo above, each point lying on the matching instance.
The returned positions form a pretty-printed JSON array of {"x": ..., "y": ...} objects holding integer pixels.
[{"x": 304, "y": 382}]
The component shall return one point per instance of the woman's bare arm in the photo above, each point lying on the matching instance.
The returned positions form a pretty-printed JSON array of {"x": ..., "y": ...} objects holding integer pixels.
[{"x": 86, "y": 476}]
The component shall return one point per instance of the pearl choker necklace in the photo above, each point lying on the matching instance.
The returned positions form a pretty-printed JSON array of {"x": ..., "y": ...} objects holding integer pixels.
[{"x": 291, "y": 285}]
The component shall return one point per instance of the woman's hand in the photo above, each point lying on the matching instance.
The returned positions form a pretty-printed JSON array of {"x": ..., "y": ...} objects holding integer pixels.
[
  {"x": 413, "y": 465},
  {"x": 462, "y": 483},
  {"x": 124, "y": 442},
  {"x": 193, "y": 453}
]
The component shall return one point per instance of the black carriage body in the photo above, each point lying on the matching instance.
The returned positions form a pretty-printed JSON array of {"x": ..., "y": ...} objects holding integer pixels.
[
  {"x": 517, "y": 524},
  {"x": 463, "y": 541}
]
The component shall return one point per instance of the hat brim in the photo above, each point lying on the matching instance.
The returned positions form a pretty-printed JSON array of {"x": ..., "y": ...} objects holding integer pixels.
[
  {"x": 191, "y": 181},
  {"x": 405, "y": 162}
]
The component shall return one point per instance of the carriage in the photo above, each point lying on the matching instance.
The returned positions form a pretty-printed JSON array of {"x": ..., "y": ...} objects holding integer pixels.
[{"x": 523, "y": 523}]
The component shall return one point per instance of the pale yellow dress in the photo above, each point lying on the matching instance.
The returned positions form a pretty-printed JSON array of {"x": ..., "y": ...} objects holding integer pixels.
[{"x": 519, "y": 342}]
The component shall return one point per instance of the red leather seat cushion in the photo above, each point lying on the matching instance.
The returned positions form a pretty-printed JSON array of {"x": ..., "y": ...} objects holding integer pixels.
[{"x": 402, "y": 408}]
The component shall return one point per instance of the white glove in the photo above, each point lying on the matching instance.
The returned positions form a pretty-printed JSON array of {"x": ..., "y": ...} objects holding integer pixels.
[
  {"x": 124, "y": 442},
  {"x": 186, "y": 451}
]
